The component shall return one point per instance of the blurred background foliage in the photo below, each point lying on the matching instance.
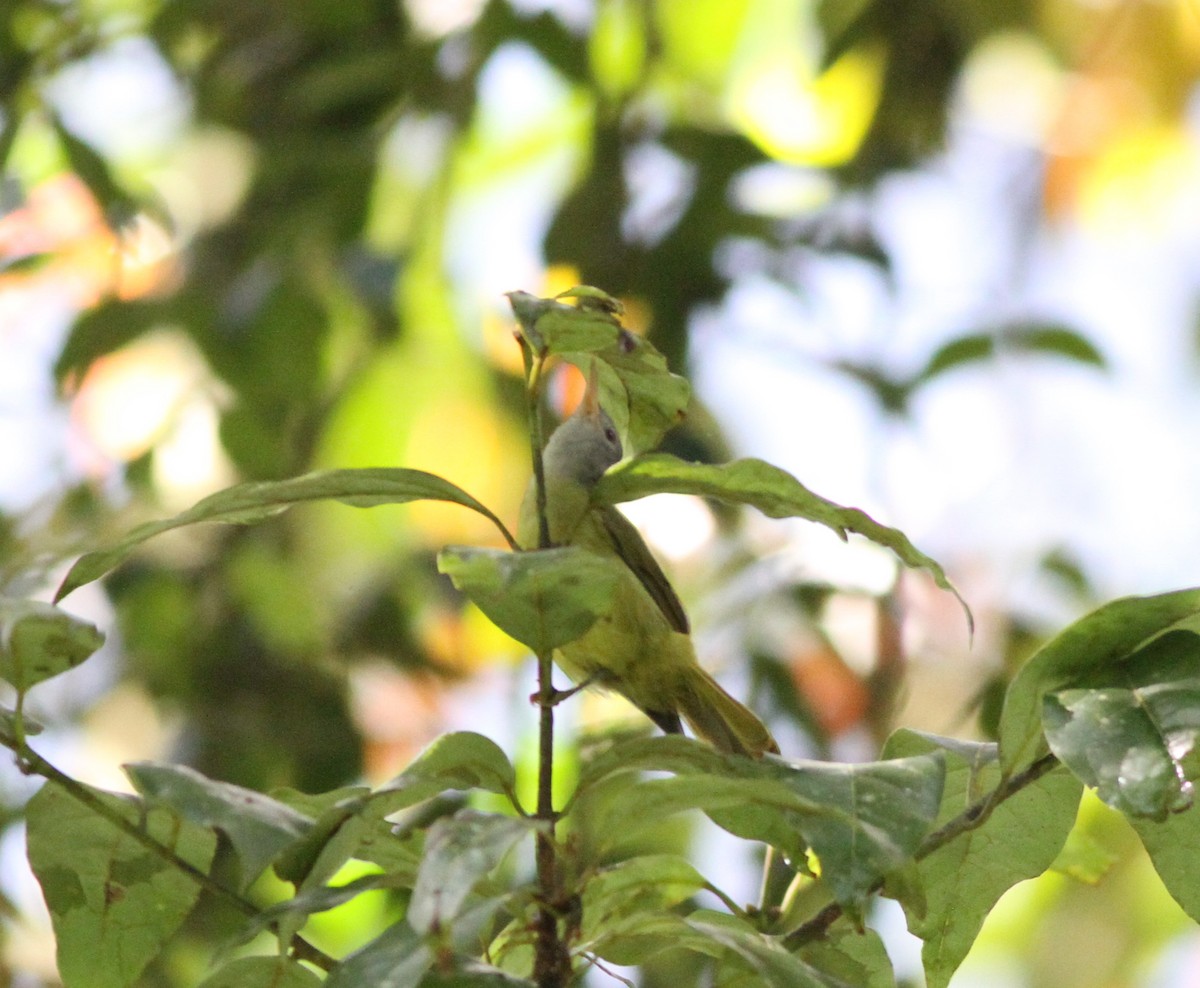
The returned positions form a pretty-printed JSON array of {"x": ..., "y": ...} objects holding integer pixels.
[{"x": 246, "y": 240}]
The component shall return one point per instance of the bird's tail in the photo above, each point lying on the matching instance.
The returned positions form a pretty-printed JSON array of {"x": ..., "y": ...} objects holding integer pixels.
[{"x": 719, "y": 719}]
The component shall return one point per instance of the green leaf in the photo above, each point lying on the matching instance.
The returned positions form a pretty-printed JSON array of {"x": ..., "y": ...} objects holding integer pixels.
[
  {"x": 635, "y": 938},
  {"x": 397, "y": 958},
  {"x": 962, "y": 880},
  {"x": 246, "y": 504},
  {"x": 1054, "y": 339},
  {"x": 1129, "y": 735},
  {"x": 1171, "y": 844},
  {"x": 1086, "y": 654},
  {"x": 640, "y": 394},
  {"x": 25, "y": 264},
  {"x": 258, "y": 827},
  {"x": 113, "y": 902},
  {"x": 637, "y": 389},
  {"x": 966, "y": 349},
  {"x": 463, "y": 760},
  {"x": 39, "y": 641},
  {"x": 1085, "y": 857},
  {"x": 291, "y": 914},
  {"x": 774, "y": 492},
  {"x": 262, "y": 972},
  {"x": 553, "y": 327},
  {"x": 862, "y": 821},
  {"x": 639, "y": 886},
  {"x": 8, "y": 726},
  {"x": 1019, "y": 337},
  {"x": 91, "y": 167},
  {"x": 763, "y": 954},
  {"x": 851, "y": 956},
  {"x": 336, "y": 833},
  {"x": 543, "y": 598},
  {"x": 401, "y": 958},
  {"x": 460, "y": 851},
  {"x": 475, "y": 974}
]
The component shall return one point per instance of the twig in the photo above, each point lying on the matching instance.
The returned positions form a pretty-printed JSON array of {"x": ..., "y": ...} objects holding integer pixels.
[
  {"x": 972, "y": 817},
  {"x": 551, "y": 958},
  {"x": 32, "y": 762}
]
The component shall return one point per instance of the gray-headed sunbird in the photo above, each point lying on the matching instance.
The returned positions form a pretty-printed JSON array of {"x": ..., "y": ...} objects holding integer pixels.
[{"x": 642, "y": 648}]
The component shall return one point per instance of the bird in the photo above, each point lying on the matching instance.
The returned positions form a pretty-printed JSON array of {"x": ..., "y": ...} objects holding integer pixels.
[{"x": 642, "y": 648}]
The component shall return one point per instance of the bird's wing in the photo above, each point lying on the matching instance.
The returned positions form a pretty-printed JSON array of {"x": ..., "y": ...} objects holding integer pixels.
[{"x": 632, "y": 549}]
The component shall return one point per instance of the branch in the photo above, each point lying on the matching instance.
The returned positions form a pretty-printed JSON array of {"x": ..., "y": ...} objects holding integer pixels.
[
  {"x": 551, "y": 959},
  {"x": 31, "y": 762},
  {"x": 969, "y": 819}
]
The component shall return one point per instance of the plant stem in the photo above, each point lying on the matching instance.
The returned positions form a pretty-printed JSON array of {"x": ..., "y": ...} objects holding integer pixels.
[
  {"x": 32, "y": 762},
  {"x": 551, "y": 959},
  {"x": 972, "y": 817}
]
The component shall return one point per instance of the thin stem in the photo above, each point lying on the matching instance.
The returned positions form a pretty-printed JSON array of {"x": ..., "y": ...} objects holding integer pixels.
[
  {"x": 552, "y": 960},
  {"x": 972, "y": 817},
  {"x": 32, "y": 762},
  {"x": 764, "y": 888}
]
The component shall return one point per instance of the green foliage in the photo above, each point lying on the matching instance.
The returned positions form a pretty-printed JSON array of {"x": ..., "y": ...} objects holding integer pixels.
[
  {"x": 944, "y": 826},
  {"x": 956, "y": 885},
  {"x": 249, "y": 503},
  {"x": 38, "y": 642},
  {"x": 114, "y": 893},
  {"x": 262, "y": 972},
  {"x": 543, "y": 599},
  {"x": 258, "y": 827},
  {"x": 773, "y": 491},
  {"x": 1099, "y": 649}
]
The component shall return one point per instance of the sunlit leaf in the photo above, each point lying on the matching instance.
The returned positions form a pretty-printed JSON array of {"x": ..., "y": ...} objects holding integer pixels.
[
  {"x": 39, "y": 641},
  {"x": 258, "y": 827},
  {"x": 960, "y": 882},
  {"x": 1085, "y": 856},
  {"x": 774, "y": 492},
  {"x": 460, "y": 851},
  {"x": 1129, "y": 738},
  {"x": 544, "y": 599},
  {"x": 113, "y": 902},
  {"x": 262, "y": 972},
  {"x": 248, "y": 503},
  {"x": 1086, "y": 654}
]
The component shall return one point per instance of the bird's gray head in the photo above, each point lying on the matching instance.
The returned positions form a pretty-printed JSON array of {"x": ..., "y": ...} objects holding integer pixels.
[{"x": 583, "y": 447}]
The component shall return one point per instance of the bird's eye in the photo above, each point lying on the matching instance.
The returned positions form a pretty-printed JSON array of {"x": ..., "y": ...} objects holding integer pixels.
[{"x": 610, "y": 434}]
